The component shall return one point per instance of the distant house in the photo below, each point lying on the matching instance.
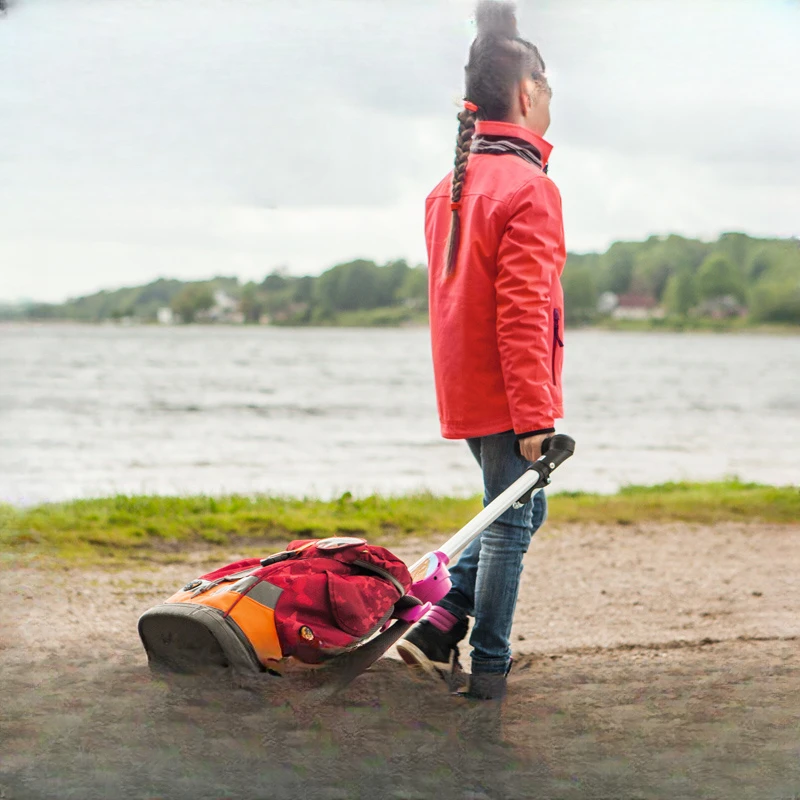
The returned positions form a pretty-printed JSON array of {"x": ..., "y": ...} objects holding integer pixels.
[
  {"x": 225, "y": 309},
  {"x": 165, "y": 316},
  {"x": 725, "y": 307},
  {"x": 607, "y": 302},
  {"x": 637, "y": 306},
  {"x": 292, "y": 311}
]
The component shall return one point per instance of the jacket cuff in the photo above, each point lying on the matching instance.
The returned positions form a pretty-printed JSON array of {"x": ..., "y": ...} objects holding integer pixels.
[{"x": 540, "y": 432}]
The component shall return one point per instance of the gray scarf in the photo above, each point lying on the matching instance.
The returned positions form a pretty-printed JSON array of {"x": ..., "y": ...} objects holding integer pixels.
[{"x": 499, "y": 145}]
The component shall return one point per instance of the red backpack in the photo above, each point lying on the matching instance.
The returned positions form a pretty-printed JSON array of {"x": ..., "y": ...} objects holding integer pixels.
[{"x": 314, "y": 600}]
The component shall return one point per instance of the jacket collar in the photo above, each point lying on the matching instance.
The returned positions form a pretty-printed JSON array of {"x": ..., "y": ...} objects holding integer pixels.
[{"x": 492, "y": 128}]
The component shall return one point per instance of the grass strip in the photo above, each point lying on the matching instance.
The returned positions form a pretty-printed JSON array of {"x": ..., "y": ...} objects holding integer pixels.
[
  {"x": 699, "y": 503},
  {"x": 124, "y": 527}
]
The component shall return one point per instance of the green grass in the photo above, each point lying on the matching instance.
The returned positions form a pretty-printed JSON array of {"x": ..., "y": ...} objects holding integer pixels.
[
  {"x": 124, "y": 526},
  {"x": 151, "y": 527},
  {"x": 699, "y": 503}
]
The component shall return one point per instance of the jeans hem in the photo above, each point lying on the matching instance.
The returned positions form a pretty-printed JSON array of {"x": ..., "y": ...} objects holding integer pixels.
[
  {"x": 455, "y": 609},
  {"x": 490, "y": 666}
]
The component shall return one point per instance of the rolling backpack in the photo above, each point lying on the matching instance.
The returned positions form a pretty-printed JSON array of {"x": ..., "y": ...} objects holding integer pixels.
[{"x": 315, "y": 600}]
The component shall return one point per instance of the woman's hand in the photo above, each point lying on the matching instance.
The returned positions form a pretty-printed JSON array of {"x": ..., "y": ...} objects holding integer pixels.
[{"x": 531, "y": 447}]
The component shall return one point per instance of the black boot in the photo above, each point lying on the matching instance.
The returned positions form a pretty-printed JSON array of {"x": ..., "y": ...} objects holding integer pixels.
[
  {"x": 486, "y": 686},
  {"x": 435, "y": 652}
]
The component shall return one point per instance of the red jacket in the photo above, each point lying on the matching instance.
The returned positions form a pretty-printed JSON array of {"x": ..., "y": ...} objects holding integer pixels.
[{"x": 497, "y": 321}]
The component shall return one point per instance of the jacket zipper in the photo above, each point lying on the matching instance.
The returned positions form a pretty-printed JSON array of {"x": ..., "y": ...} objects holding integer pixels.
[{"x": 557, "y": 342}]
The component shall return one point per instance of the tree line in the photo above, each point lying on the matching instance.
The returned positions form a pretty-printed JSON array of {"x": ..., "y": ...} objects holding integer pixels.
[
  {"x": 759, "y": 278},
  {"x": 358, "y": 292},
  {"x": 685, "y": 276}
]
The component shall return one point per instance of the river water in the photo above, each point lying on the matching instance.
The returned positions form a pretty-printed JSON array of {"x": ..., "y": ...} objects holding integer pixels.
[{"x": 90, "y": 411}]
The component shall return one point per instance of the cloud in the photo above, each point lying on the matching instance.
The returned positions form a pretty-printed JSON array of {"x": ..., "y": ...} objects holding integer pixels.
[
  {"x": 702, "y": 80},
  {"x": 199, "y": 243},
  {"x": 194, "y": 138}
]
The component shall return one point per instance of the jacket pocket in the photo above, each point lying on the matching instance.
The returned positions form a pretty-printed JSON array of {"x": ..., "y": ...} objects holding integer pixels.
[{"x": 557, "y": 341}]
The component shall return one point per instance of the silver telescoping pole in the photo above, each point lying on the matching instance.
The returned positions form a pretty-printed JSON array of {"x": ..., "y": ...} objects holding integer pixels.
[{"x": 457, "y": 543}]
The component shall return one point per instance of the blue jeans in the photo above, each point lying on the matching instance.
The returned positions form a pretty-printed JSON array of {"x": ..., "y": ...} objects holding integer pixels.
[{"x": 486, "y": 577}]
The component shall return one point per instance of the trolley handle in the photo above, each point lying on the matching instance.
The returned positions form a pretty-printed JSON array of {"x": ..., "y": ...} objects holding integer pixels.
[
  {"x": 555, "y": 451},
  {"x": 559, "y": 446}
]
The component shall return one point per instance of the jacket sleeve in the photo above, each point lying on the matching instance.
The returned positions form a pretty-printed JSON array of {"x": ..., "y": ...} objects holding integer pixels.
[{"x": 529, "y": 259}]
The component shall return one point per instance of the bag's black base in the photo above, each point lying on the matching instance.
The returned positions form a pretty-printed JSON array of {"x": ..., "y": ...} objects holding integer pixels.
[
  {"x": 194, "y": 639},
  {"x": 198, "y": 640}
]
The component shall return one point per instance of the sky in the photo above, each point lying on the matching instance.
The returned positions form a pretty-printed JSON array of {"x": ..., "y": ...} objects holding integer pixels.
[{"x": 192, "y": 138}]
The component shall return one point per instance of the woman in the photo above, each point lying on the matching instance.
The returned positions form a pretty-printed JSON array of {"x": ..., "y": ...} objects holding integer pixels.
[{"x": 495, "y": 252}]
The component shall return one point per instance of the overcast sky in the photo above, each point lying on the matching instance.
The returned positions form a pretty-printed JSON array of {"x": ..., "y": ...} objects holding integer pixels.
[{"x": 188, "y": 138}]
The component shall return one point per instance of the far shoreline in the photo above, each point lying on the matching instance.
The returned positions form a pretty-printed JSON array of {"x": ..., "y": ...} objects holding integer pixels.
[{"x": 622, "y": 326}]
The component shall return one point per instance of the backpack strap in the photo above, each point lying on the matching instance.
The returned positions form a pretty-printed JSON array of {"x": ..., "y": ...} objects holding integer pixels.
[
  {"x": 282, "y": 556},
  {"x": 383, "y": 573}
]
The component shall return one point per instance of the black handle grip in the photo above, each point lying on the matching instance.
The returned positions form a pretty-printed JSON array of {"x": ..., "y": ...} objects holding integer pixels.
[
  {"x": 555, "y": 451},
  {"x": 558, "y": 449},
  {"x": 558, "y": 441}
]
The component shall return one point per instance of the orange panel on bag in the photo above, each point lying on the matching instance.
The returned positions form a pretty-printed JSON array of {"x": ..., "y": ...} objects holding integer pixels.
[
  {"x": 224, "y": 601},
  {"x": 258, "y": 625}
]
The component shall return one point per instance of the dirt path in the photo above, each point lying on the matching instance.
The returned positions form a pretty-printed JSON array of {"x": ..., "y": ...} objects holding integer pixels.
[{"x": 653, "y": 662}]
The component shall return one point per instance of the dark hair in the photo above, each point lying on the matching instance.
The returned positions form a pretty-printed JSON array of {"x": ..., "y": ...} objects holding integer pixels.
[{"x": 498, "y": 60}]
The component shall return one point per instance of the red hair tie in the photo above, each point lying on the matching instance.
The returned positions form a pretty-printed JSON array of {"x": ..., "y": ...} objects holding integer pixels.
[
  {"x": 455, "y": 206},
  {"x": 470, "y": 106}
]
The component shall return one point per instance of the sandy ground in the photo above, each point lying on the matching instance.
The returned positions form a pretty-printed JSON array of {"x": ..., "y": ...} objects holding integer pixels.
[{"x": 652, "y": 662}]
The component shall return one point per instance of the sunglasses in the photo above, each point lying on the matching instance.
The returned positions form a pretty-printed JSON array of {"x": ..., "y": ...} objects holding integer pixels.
[{"x": 541, "y": 81}]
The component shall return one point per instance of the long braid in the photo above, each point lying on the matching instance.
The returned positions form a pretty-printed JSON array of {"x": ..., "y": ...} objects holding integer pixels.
[
  {"x": 466, "y": 130},
  {"x": 498, "y": 59}
]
